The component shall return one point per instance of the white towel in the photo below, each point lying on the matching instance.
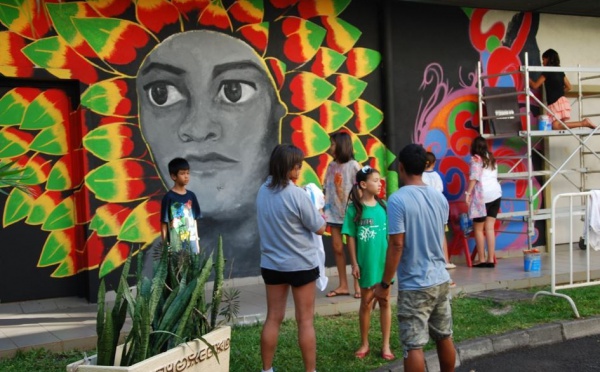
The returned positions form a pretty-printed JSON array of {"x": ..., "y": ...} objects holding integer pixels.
[
  {"x": 318, "y": 199},
  {"x": 594, "y": 220}
]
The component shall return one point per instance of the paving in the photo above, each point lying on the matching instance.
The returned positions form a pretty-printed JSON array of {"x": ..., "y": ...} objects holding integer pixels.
[{"x": 70, "y": 323}]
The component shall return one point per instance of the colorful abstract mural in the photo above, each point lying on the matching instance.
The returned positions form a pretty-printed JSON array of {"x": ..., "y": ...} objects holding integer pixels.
[
  {"x": 448, "y": 120},
  {"x": 98, "y": 186}
]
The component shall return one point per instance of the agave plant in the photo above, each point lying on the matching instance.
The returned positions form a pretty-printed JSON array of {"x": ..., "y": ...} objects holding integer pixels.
[
  {"x": 166, "y": 310},
  {"x": 12, "y": 177}
]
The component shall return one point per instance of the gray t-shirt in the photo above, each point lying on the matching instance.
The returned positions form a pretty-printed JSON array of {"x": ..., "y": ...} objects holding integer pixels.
[
  {"x": 287, "y": 220},
  {"x": 420, "y": 212}
]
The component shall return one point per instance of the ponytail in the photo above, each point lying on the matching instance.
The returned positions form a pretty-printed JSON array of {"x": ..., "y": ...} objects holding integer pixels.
[{"x": 354, "y": 198}]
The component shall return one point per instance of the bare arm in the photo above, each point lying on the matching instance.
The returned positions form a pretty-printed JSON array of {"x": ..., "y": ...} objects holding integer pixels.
[
  {"x": 321, "y": 231},
  {"x": 352, "y": 251},
  {"x": 392, "y": 259},
  {"x": 538, "y": 83},
  {"x": 567, "y": 84},
  {"x": 470, "y": 190},
  {"x": 164, "y": 227}
]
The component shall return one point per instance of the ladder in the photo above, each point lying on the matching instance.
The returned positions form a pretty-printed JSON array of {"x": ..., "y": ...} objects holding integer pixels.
[{"x": 533, "y": 138}]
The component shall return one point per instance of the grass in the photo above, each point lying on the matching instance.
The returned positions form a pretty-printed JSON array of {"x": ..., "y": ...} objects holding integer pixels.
[{"x": 338, "y": 336}]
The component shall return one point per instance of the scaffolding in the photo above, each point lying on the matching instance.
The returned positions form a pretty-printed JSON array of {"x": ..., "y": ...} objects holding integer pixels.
[{"x": 533, "y": 138}]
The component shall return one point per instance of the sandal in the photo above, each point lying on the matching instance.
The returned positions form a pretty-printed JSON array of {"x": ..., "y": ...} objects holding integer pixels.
[
  {"x": 361, "y": 355},
  {"x": 357, "y": 295},
  {"x": 388, "y": 356},
  {"x": 335, "y": 294}
]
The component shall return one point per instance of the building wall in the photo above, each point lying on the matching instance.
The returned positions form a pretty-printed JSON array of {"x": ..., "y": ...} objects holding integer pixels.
[{"x": 147, "y": 89}]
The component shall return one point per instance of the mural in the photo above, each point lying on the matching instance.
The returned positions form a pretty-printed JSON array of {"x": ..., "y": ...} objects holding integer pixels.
[
  {"x": 448, "y": 119},
  {"x": 218, "y": 82}
]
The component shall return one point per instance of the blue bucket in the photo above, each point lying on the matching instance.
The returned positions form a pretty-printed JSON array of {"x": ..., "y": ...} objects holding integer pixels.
[
  {"x": 532, "y": 262},
  {"x": 544, "y": 122}
]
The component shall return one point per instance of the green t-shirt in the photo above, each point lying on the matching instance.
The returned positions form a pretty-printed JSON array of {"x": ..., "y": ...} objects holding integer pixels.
[{"x": 370, "y": 234}]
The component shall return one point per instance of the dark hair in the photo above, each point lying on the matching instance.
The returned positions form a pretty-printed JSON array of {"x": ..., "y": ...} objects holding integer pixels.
[
  {"x": 413, "y": 157},
  {"x": 430, "y": 158},
  {"x": 178, "y": 164},
  {"x": 283, "y": 159},
  {"x": 344, "y": 152},
  {"x": 354, "y": 195},
  {"x": 479, "y": 147},
  {"x": 552, "y": 56}
]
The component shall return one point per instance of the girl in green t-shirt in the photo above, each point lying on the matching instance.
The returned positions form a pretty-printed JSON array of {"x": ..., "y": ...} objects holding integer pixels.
[{"x": 365, "y": 225}]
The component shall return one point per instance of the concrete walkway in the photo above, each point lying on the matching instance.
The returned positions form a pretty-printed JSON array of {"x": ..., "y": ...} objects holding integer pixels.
[{"x": 68, "y": 323}]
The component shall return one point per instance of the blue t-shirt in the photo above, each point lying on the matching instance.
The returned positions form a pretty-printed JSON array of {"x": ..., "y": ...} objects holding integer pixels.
[
  {"x": 420, "y": 212},
  {"x": 180, "y": 213},
  {"x": 287, "y": 220}
]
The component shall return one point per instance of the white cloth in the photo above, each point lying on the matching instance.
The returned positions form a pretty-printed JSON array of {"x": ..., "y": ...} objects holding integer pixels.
[
  {"x": 433, "y": 179},
  {"x": 489, "y": 183},
  {"x": 594, "y": 220},
  {"x": 318, "y": 199}
]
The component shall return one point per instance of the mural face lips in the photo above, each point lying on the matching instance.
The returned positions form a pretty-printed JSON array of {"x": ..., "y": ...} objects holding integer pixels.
[{"x": 210, "y": 162}]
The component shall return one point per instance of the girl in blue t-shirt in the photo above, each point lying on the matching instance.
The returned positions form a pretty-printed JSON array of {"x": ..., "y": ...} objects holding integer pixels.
[{"x": 365, "y": 225}]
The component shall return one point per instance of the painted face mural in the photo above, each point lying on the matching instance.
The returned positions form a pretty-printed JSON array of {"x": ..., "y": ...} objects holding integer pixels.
[
  {"x": 217, "y": 82},
  {"x": 207, "y": 97}
]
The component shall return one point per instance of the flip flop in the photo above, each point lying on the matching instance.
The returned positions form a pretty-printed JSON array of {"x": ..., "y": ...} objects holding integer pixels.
[
  {"x": 334, "y": 294},
  {"x": 388, "y": 356},
  {"x": 362, "y": 354},
  {"x": 356, "y": 295}
]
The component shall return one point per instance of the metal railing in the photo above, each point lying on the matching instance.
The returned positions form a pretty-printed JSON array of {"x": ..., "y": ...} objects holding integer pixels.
[{"x": 574, "y": 210}]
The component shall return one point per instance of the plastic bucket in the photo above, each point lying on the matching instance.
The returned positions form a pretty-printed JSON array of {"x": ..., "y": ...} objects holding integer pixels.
[
  {"x": 532, "y": 262},
  {"x": 544, "y": 122}
]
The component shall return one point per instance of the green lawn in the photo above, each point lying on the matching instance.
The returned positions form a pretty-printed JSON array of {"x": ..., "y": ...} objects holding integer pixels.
[{"x": 338, "y": 336}]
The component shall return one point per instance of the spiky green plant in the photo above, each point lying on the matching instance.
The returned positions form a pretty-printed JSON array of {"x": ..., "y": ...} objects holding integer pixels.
[
  {"x": 13, "y": 178},
  {"x": 169, "y": 309}
]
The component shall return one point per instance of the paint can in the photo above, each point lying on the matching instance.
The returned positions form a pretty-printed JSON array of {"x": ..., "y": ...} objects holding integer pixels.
[
  {"x": 544, "y": 122},
  {"x": 532, "y": 262}
]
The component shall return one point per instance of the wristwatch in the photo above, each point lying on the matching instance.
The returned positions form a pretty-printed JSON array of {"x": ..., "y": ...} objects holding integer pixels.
[{"x": 384, "y": 285}]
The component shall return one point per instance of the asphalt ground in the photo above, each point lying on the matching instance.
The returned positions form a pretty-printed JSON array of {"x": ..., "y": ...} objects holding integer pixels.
[{"x": 580, "y": 355}]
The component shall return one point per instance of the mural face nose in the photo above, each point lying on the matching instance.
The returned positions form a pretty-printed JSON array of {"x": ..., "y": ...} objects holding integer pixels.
[{"x": 200, "y": 127}]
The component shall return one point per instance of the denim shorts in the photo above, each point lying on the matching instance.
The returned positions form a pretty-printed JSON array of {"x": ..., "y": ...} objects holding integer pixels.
[{"x": 424, "y": 313}]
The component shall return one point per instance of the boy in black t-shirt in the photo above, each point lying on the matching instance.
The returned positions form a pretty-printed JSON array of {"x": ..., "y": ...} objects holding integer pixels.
[{"x": 180, "y": 210}]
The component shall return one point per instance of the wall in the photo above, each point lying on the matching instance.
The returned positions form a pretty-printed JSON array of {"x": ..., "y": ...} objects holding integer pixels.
[
  {"x": 218, "y": 82},
  {"x": 221, "y": 83}
]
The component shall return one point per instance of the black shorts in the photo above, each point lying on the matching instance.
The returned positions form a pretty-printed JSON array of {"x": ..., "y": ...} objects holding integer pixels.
[
  {"x": 491, "y": 209},
  {"x": 338, "y": 225},
  {"x": 293, "y": 278}
]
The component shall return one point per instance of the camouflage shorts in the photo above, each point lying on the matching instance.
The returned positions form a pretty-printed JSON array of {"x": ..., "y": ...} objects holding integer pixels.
[{"x": 424, "y": 313}]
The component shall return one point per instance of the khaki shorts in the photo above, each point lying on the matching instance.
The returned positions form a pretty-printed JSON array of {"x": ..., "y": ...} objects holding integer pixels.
[{"x": 424, "y": 313}]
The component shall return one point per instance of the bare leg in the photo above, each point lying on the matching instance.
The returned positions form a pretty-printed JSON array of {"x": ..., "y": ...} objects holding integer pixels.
[
  {"x": 479, "y": 240},
  {"x": 276, "y": 300},
  {"x": 490, "y": 238},
  {"x": 445, "y": 246},
  {"x": 446, "y": 354},
  {"x": 364, "y": 319},
  {"x": 587, "y": 123},
  {"x": 340, "y": 259},
  {"x": 385, "y": 318},
  {"x": 304, "y": 303},
  {"x": 415, "y": 361}
]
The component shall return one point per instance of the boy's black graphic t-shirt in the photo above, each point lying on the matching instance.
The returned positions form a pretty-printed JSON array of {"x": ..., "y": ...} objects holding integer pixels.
[{"x": 180, "y": 212}]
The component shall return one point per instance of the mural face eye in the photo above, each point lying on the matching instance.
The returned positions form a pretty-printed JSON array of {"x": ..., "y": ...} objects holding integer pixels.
[
  {"x": 163, "y": 94},
  {"x": 236, "y": 91}
]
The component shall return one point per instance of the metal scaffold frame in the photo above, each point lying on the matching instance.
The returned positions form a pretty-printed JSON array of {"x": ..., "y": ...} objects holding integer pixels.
[{"x": 533, "y": 137}]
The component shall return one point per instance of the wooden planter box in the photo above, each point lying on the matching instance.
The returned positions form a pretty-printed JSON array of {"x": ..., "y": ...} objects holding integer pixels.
[{"x": 194, "y": 356}]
